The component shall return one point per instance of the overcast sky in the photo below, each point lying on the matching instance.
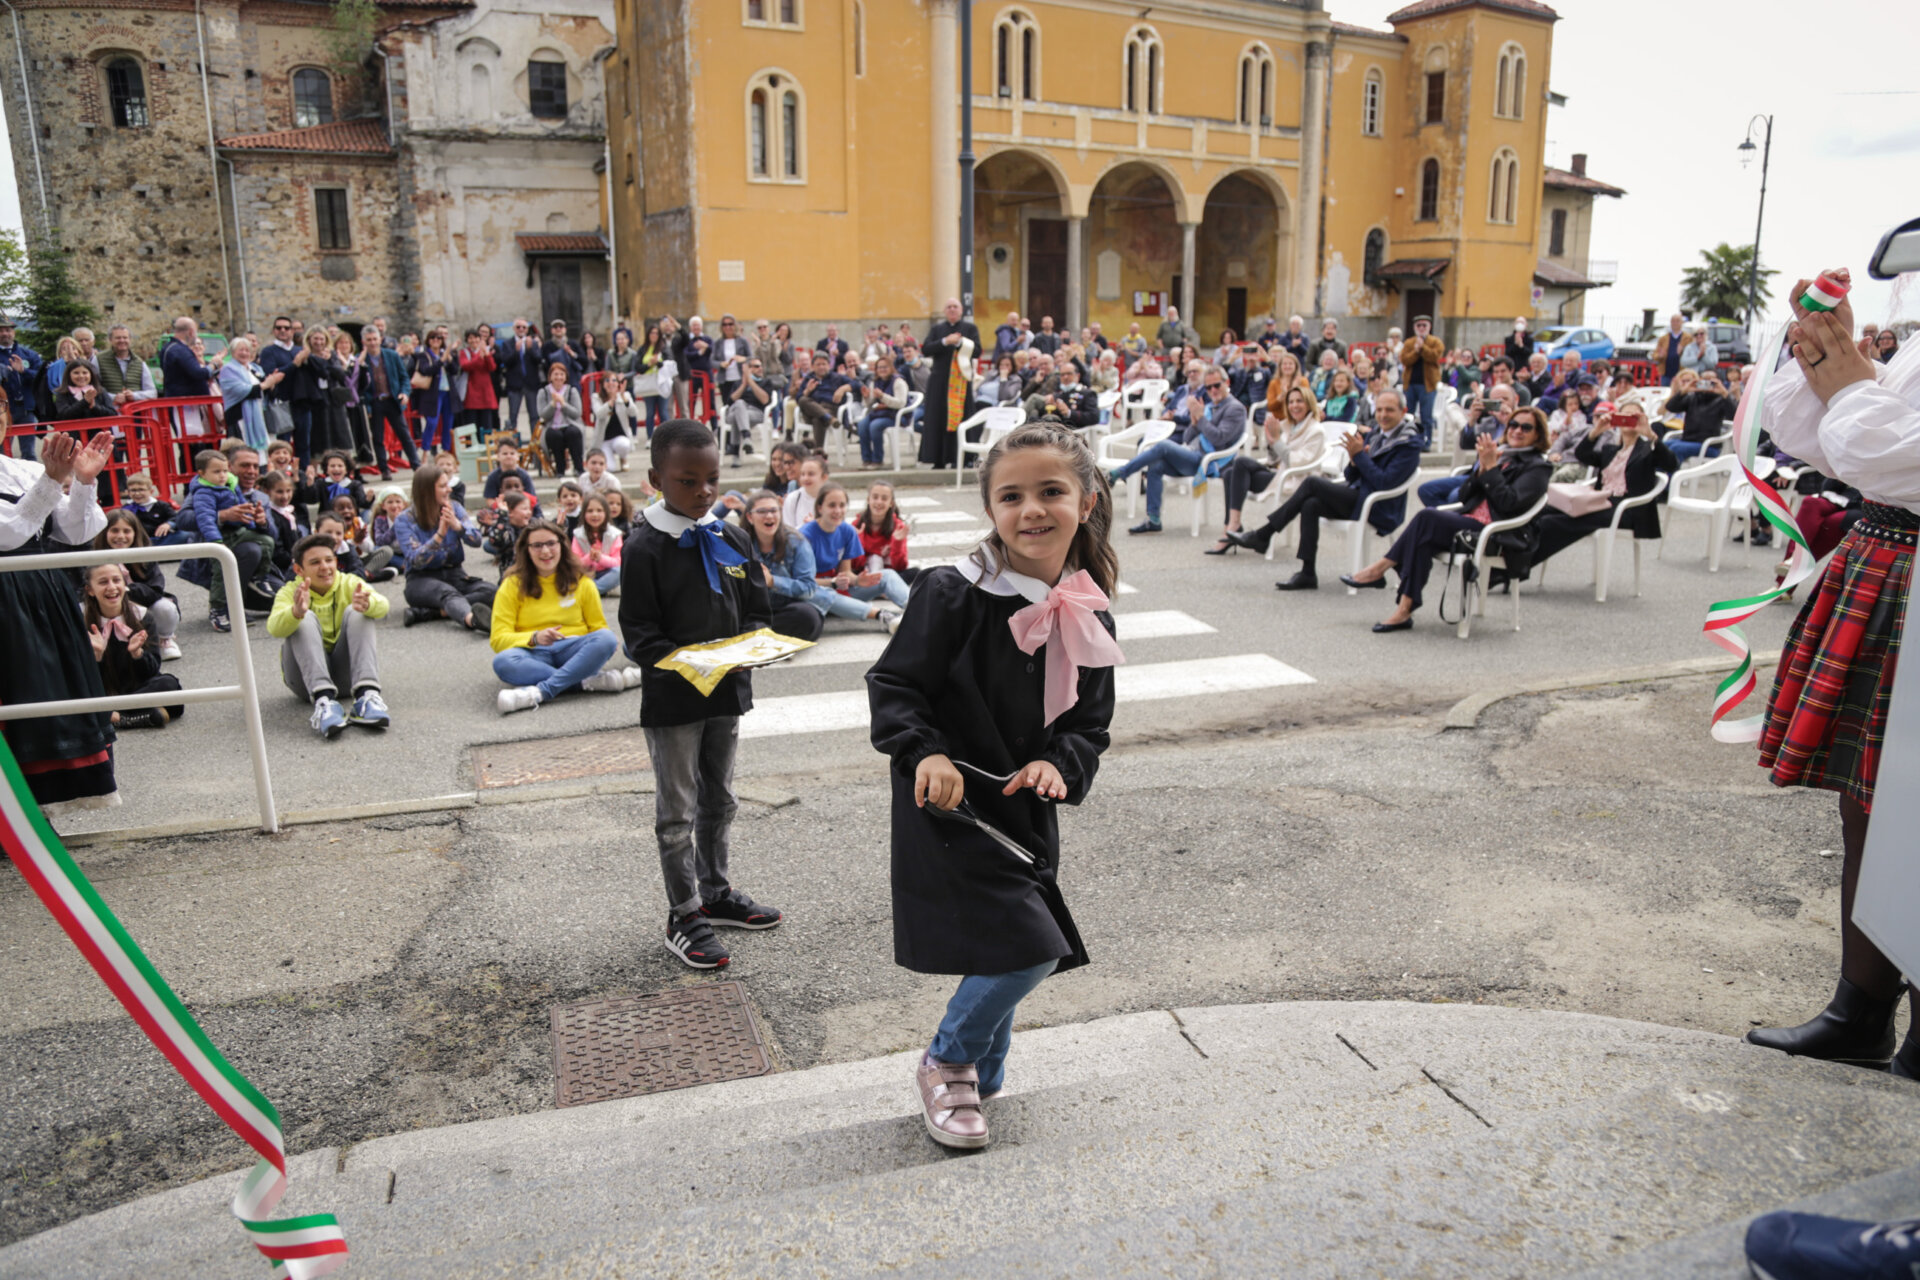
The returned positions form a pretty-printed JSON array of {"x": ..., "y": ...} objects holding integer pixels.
[{"x": 1659, "y": 94}]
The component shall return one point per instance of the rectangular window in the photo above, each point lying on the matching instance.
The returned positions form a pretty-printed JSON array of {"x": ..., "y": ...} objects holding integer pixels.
[
  {"x": 790, "y": 135},
  {"x": 756, "y": 10},
  {"x": 789, "y": 12},
  {"x": 547, "y": 90},
  {"x": 1370, "y": 110},
  {"x": 1436, "y": 96},
  {"x": 1557, "y": 237},
  {"x": 330, "y": 218},
  {"x": 127, "y": 94}
]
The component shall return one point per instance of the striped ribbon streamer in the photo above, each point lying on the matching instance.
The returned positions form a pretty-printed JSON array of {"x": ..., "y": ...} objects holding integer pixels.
[
  {"x": 300, "y": 1248},
  {"x": 1724, "y": 617}
]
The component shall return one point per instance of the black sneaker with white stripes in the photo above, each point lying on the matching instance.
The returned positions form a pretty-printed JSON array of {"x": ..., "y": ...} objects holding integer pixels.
[
  {"x": 691, "y": 938},
  {"x": 737, "y": 911}
]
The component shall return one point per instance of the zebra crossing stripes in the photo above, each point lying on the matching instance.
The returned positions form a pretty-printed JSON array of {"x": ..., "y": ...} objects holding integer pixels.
[{"x": 863, "y": 648}]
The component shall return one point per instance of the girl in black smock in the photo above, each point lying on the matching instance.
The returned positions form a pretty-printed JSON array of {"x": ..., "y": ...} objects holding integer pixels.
[{"x": 956, "y": 684}]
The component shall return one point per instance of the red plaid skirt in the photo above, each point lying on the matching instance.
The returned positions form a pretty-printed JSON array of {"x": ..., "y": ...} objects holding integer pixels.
[{"x": 1828, "y": 713}]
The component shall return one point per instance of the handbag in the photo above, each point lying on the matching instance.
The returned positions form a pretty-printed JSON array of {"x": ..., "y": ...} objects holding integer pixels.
[
  {"x": 1577, "y": 499},
  {"x": 647, "y": 384}
]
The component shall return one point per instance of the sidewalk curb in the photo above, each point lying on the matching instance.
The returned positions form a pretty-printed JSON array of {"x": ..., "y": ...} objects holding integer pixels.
[{"x": 1465, "y": 714}]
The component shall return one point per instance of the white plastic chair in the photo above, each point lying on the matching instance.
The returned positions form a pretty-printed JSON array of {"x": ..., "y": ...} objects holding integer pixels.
[
  {"x": 1121, "y": 446},
  {"x": 1721, "y": 511},
  {"x": 1477, "y": 605},
  {"x": 1142, "y": 400},
  {"x": 1604, "y": 541},
  {"x": 993, "y": 423},
  {"x": 1358, "y": 529},
  {"x": 846, "y": 421},
  {"x": 1197, "y": 484},
  {"x": 902, "y": 436},
  {"x": 1331, "y": 462}
]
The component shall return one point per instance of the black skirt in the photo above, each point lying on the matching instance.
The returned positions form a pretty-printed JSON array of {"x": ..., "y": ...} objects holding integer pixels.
[{"x": 45, "y": 657}]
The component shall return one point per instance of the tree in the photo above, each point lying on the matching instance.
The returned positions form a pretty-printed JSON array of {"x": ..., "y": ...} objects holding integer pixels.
[
  {"x": 350, "y": 32},
  {"x": 13, "y": 273},
  {"x": 53, "y": 300},
  {"x": 1718, "y": 287}
]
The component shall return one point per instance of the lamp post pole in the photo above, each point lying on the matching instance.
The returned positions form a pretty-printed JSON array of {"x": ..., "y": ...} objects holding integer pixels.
[
  {"x": 966, "y": 158},
  {"x": 1753, "y": 263}
]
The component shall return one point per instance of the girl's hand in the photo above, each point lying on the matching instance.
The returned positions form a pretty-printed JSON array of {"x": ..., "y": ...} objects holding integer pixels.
[
  {"x": 136, "y": 644},
  {"x": 843, "y": 580},
  {"x": 937, "y": 780},
  {"x": 97, "y": 637},
  {"x": 1042, "y": 777},
  {"x": 91, "y": 459},
  {"x": 869, "y": 579}
]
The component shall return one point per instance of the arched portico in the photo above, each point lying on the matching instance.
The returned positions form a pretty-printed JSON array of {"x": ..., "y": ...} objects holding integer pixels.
[
  {"x": 1135, "y": 246},
  {"x": 1021, "y": 239},
  {"x": 1243, "y": 258}
]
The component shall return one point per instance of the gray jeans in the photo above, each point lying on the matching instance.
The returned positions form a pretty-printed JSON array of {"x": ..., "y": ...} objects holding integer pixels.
[
  {"x": 693, "y": 807},
  {"x": 742, "y": 418},
  {"x": 311, "y": 669}
]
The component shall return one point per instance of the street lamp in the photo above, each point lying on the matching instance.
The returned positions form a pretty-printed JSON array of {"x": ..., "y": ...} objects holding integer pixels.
[{"x": 1746, "y": 150}]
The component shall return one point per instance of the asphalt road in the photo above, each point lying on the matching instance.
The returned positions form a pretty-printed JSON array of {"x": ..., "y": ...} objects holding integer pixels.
[
  {"x": 1217, "y": 650},
  {"x": 1590, "y": 851}
]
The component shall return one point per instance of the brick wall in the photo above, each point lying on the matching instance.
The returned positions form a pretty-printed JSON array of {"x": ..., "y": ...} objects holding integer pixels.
[{"x": 286, "y": 270}]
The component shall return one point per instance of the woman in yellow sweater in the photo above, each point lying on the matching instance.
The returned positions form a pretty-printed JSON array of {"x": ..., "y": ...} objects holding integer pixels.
[{"x": 549, "y": 634}]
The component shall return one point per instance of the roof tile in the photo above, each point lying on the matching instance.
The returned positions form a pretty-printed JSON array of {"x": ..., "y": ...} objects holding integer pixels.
[
  {"x": 1427, "y": 8},
  {"x": 561, "y": 242},
  {"x": 1571, "y": 181},
  {"x": 342, "y": 137}
]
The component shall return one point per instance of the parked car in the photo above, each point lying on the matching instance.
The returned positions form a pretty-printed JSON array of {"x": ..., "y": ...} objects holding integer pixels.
[
  {"x": 1730, "y": 338},
  {"x": 1592, "y": 344}
]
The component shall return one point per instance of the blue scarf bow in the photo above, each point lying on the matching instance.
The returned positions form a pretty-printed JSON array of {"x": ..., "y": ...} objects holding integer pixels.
[{"x": 715, "y": 551}]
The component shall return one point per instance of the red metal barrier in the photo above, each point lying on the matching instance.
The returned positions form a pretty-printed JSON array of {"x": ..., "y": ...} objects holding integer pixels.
[
  {"x": 167, "y": 433},
  {"x": 1371, "y": 350},
  {"x": 1488, "y": 350},
  {"x": 116, "y": 471},
  {"x": 700, "y": 388}
]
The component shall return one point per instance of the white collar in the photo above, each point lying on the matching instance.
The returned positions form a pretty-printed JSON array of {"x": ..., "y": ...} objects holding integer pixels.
[
  {"x": 672, "y": 523},
  {"x": 284, "y": 346},
  {"x": 997, "y": 580}
]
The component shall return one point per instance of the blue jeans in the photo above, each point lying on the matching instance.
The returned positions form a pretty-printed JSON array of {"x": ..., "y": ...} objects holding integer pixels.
[
  {"x": 1420, "y": 405},
  {"x": 1438, "y": 493},
  {"x": 1684, "y": 449},
  {"x": 857, "y": 601},
  {"x": 1164, "y": 458},
  {"x": 873, "y": 435},
  {"x": 607, "y": 580},
  {"x": 437, "y": 431},
  {"x": 978, "y": 1027},
  {"x": 556, "y": 668}
]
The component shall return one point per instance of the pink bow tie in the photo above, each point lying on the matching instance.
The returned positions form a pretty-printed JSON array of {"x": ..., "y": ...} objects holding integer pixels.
[
  {"x": 1066, "y": 616},
  {"x": 118, "y": 629}
]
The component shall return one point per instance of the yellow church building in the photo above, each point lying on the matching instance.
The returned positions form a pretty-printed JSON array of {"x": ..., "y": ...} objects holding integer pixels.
[{"x": 799, "y": 160}]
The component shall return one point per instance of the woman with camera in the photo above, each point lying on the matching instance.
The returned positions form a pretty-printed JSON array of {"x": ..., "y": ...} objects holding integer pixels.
[
  {"x": 1506, "y": 480},
  {"x": 1627, "y": 469},
  {"x": 1704, "y": 409}
]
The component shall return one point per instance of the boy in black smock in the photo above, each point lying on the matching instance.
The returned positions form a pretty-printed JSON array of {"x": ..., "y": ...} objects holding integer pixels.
[
  {"x": 993, "y": 700},
  {"x": 684, "y": 580}
]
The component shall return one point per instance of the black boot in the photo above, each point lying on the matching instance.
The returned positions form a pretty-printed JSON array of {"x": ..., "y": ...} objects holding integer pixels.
[
  {"x": 1855, "y": 1028},
  {"x": 415, "y": 616},
  {"x": 1906, "y": 1063}
]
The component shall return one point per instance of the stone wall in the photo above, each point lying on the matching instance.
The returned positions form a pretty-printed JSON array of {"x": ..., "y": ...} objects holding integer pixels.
[{"x": 285, "y": 268}]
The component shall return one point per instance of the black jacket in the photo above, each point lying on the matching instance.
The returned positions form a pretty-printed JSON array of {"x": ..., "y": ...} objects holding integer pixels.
[
  {"x": 1509, "y": 490},
  {"x": 665, "y": 603},
  {"x": 306, "y": 377},
  {"x": 1078, "y": 406},
  {"x": 1704, "y": 414},
  {"x": 953, "y": 682},
  {"x": 1651, "y": 459}
]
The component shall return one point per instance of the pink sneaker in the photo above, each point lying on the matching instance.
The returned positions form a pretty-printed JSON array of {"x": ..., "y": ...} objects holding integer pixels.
[{"x": 950, "y": 1103}]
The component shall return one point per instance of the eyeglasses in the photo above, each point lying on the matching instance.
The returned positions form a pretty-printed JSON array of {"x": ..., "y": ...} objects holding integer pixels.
[
  {"x": 548, "y": 545},
  {"x": 766, "y": 511}
]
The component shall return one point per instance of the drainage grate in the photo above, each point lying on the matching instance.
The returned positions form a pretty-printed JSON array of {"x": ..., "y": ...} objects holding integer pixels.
[
  {"x": 586, "y": 755},
  {"x": 629, "y": 1045}
]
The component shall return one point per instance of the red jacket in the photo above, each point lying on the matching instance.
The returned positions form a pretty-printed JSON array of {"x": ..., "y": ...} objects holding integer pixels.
[
  {"x": 478, "y": 366},
  {"x": 892, "y": 551}
]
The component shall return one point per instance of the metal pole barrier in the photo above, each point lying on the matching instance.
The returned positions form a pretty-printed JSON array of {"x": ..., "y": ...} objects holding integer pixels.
[{"x": 245, "y": 689}]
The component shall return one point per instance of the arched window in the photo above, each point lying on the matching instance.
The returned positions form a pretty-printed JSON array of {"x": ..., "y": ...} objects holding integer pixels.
[
  {"x": 479, "y": 92},
  {"x": 312, "y": 98},
  {"x": 1436, "y": 84},
  {"x": 776, "y": 128},
  {"x": 547, "y": 87},
  {"x": 1016, "y": 56},
  {"x": 1510, "y": 83},
  {"x": 1142, "y": 70},
  {"x": 1256, "y": 87},
  {"x": 1430, "y": 191},
  {"x": 1374, "y": 257},
  {"x": 1502, "y": 198},
  {"x": 127, "y": 93},
  {"x": 1372, "y": 97}
]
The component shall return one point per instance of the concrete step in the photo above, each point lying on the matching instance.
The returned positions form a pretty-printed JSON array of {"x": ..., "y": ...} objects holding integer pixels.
[{"x": 1310, "y": 1139}]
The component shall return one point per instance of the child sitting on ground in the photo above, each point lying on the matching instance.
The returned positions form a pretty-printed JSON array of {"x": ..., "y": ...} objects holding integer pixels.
[
  {"x": 146, "y": 583},
  {"x": 569, "y": 500},
  {"x": 596, "y": 478},
  {"x": 506, "y": 462},
  {"x": 502, "y": 537},
  {"x": 883, "y": 533},
  {"x": 155, "y": 516},
  {"x": 511, "y": 485},
  {"x": 619, "y": 512},
  {"x": 597, "y": 543},
  {"x": 387, "y": 510},
  {"x": 326, "y": 619},
  {"x": 449, "y": 465},
  {"x": 550, "y": 634},
  {"x": 328, "y": 480},
  {"x": 347, "y": 555},
  {"x": 797, "y": 508},
  {"x": 847, "y": 590},
  {"x": 248, "y": 533},
  {"x": 126, "y": 648}
]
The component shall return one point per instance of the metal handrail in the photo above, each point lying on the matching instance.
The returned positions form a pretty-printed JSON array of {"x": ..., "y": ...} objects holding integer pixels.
[{"x": 245, "y": 690}]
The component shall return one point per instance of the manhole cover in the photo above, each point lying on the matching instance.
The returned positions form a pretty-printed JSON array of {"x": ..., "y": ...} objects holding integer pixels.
[
  {"x": 629, "y": 1045},
  {"x": 587, "y": 755}
]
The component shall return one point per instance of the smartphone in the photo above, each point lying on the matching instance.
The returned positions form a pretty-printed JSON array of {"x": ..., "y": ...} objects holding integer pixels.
[{"x": 1622, "y": 419}]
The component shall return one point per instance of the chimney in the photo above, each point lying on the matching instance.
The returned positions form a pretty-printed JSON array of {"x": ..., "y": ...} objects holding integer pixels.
[{"x": 1579, "y": 164}]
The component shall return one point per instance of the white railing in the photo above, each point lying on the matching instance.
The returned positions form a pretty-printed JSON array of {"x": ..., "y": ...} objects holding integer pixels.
[{"x": 245, "y": 689}]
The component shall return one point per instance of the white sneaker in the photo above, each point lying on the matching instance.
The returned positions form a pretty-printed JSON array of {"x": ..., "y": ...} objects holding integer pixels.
[
  {"x": 612, "y": 680},
  {"x": 891, "y": 618},
  {"x": 520, "y": 698},
  {"x": 169, "y": 650}
]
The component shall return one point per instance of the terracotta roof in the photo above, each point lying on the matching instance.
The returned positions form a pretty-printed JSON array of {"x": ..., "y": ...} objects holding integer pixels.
[
  {"x": 1427, "y": 8},
  {"x": 1417, "y": 268},
  {"x": 561, "y": 242},
  {"x": 343, "y": 137},
  {"x": 1571, "y": 181},
  {"x": 1554, "y": 275}
]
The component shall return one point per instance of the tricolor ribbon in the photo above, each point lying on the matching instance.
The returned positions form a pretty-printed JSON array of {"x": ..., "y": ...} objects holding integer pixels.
[
  {"x": 299, "y": 1248},
  {"x": 1066, "y": 618},
  {"x": 1724, "y": 618}
]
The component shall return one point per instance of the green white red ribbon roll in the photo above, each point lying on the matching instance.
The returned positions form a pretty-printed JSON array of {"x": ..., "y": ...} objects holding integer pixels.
[
  {"x": 1724, "y": 618},
  {"x": 300, "y": 1248},
  {"x": 1824, "y": 294}
]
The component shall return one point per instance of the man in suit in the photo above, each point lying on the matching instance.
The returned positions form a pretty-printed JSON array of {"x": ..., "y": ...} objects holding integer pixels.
[{"x": 518, "y": 355}]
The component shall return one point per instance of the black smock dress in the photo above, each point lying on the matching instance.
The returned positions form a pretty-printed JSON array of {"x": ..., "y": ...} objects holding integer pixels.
[
  {"x": 953, "y": 682},
  {"x": 44, "y": 652}
]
